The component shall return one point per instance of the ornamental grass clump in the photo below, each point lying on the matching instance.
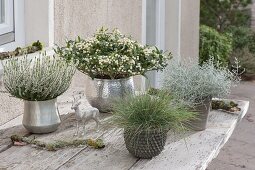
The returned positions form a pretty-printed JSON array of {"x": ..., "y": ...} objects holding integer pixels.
[
  {"x": 193, "y": 83},
  {"x": 148, "y": 113},
  {"x": 112, "y": 55},
  {"x": 38, "y": 79},
  {"x": 146, "y": 120}
]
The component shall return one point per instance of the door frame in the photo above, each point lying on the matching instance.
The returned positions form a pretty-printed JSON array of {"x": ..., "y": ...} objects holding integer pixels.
[
  {"x": 157, "y": 33},
  {"x": 19, "y": 30}
]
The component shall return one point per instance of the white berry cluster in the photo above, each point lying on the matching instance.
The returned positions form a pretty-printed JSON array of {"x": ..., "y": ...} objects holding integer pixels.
[{"x": 112, "y": 55}]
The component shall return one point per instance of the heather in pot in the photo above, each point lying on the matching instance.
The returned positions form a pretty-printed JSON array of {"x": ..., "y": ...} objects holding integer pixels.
[
  {"x": 146, "y": 120},
  {"x": 38, "y": 81}
]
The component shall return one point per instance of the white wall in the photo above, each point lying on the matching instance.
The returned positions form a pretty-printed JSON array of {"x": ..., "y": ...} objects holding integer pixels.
[
  {"x": 190, "y": 11},
  {"x": 39, "y": 21},
  {"x": 182, "y": 28},
  {"x": 173, "y": 26}
]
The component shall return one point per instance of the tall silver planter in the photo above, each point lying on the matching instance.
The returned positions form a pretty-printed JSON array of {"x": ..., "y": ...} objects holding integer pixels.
[
  {"x": 202, "y": 110},
  {"x": 101, "y": 92},
  {"x": 41, "y": 116}
]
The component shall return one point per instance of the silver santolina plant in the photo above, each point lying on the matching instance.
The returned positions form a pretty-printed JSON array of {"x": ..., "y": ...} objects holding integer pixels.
[
  {"x": 193, "y": 83},
  {"x": 38, "y": 79}
]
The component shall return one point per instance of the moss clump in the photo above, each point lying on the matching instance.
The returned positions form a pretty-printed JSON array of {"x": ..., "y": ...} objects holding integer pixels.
[
  {"x": 225, "y": 105},
  {"x": 36, "y": 46},
  {"x": 153, "y": 91},
  {"x": 96, "y": 144}
]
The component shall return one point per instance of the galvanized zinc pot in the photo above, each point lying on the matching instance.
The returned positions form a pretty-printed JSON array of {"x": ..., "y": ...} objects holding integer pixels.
[
  {"x": 203, "y": 110},
  {"x": 41, "y": 116},
  {"x": 101, "y": 92},
  {"x": 145, "y": 144}
]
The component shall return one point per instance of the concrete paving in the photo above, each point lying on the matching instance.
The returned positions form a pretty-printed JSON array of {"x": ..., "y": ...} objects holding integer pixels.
[
  {"x": 239, "y": 152},
  {"x": 10, "y": 107}
]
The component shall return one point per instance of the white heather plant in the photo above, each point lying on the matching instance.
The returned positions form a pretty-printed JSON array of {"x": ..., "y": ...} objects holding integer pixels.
[
  {"x": 38, "y": 79},
  {"x": 193, "y": 83},
  {"x": 112, "y": 55}
]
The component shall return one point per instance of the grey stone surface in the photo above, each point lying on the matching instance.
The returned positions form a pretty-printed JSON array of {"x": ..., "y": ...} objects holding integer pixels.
[
  {"x": 198, "y": 150},
  {"x": 1, "y": 73},
  {"x": 10, "y": 107},
  {"x": 239, "y": 152}
]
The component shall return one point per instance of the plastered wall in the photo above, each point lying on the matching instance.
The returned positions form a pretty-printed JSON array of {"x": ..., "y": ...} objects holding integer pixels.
[
  {"x": 83, "y": 17},
  {"x": 190, "y": 29},
  {"x": 182, "y": 28}
]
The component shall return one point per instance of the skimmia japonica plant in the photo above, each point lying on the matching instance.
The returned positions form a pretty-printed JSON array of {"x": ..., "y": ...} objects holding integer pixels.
[
  {"x": 38, "y": 79},
  {"x": 112, "y": 55}
]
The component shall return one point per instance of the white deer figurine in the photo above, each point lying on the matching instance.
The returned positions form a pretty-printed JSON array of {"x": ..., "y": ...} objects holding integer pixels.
[{"x": 84, "y": 114}]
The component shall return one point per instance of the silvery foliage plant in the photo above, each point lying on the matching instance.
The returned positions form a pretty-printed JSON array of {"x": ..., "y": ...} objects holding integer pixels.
[
  {"x": 38, "y": 79},
  {"x": 192, "y": 83}
]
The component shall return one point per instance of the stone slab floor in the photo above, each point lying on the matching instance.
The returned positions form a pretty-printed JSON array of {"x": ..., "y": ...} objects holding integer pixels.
[{"x": 239, "y": 152}]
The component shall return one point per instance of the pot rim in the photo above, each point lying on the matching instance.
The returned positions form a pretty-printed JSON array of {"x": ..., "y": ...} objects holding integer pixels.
[
  {"x": 205, "y": 100},
  {"x": 113, "y": 80},
  {"x": 36, "y": 101},
  {"x": 156, "y": 130}
]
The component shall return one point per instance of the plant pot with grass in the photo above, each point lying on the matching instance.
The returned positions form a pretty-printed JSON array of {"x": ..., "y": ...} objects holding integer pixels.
[
  {"x": 111, "y": 59},
  {"x": 38, "y": 82},
  {"x": 195, "y": 85},
  {"x": 146, "y": 120}
]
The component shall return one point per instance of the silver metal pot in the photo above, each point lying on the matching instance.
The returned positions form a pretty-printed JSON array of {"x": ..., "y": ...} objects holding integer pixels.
[
  {"x": 100, "y": 92},
  {"x": 202, "y": 110},
  {"x": 41, "y": 116}
]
